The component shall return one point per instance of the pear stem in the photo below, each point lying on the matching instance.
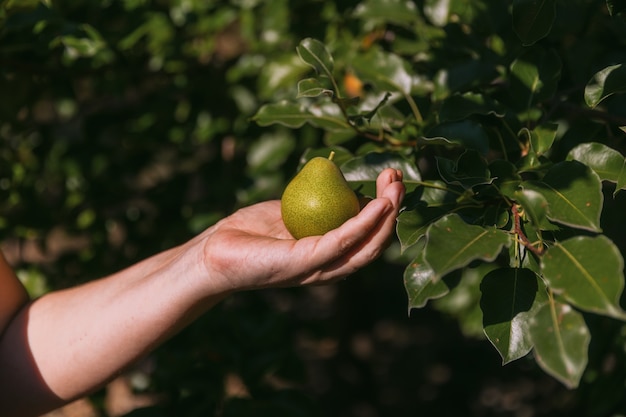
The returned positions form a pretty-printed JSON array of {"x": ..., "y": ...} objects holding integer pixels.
[{"x": 331, "y": 156}]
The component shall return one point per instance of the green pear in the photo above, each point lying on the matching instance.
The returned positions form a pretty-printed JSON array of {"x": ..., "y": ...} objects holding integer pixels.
[{"x": 318, "y": 199}]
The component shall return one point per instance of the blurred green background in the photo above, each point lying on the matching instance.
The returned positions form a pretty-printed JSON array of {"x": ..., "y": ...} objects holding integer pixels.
[{"x": 125, "y": 129}]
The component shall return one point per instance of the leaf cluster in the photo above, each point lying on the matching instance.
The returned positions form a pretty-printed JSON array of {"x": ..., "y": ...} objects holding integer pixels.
[{"x": 482, "y": 106}]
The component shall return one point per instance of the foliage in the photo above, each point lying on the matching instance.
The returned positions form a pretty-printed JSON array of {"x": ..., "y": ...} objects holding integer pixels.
[
  {"x": 127, "y": 126},
  {"x": 486, "y": 110}
]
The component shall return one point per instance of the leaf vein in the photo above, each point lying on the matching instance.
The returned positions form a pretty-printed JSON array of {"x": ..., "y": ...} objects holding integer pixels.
[
  {"x": 587, "y": 275},
  {"x": 572, "y": 205},
  {"x": 465, "y": 247}
]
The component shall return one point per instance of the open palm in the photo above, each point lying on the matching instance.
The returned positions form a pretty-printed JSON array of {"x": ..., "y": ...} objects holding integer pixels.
[{"x": 252, "y": 248}]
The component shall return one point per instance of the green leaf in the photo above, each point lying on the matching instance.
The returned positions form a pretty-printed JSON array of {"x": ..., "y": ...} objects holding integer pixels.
[
  {"x": 361, "y": 172},
  {"x": 533, "y": 162},
  {"x": 461, "y": 106},
  {"x": 615, "y": 7},
  {"x": 561, "y": 342},
  {"x": 338, "y": 136},
  {"x": 533, "y": 19},
  {"x": 497, "y": 215},
  {"x": 268, "y": 153},
  {"x": 295, "y": 115},
  {"x": 418, "y": 283},
  {"x": 452, "y": 244},
  {"x": 387, "y": 71},
  {"x": 587, "y": 272},
  {"x": 286, "y": 113},
  {"x": 419, "y": 286},
  {"x": 156, "y": 29},
  {"x": 535, "y": 208},
  {"x": 510, "y": 298},
  {"x": 466, "y": 133},
  {"x": 609, "y": 164},
  {"x": 413, "y": 224},
  {"x": 315, "y": 54},
  {"x": 437, "y": 11},
  {"x": 279, "y": 74},
  {"x": 505, "y": 175},
  {"x": 542, "y": 137},
  {"x": 312, "y": 87},
  {"x": 471, "y": 74},
  {"x": 611, "y": 80},
  {"x": 574, "y": 195},
  {"x": 88, "y": 43},
  {"x": 85, "y": 218},
  {"x": 20, "y": 5},
  {"x": 469, "y": 170},
  {"x": 535, "y": 75},
  {"x": 398, "y": 12},
  {"x": 424, "y": 206}
]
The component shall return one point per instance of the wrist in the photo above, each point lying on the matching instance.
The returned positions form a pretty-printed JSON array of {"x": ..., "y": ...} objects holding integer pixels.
[{"x": 205, "y": 274}]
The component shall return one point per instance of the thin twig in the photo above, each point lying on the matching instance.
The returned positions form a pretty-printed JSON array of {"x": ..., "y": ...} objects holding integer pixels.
[{"x": 522, "y": 237}]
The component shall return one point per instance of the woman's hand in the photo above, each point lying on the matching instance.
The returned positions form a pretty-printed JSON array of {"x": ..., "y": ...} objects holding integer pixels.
[{"x": 252, "y": 249}]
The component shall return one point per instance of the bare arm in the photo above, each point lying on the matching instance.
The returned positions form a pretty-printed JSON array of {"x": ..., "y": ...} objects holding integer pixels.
[{"x": 70, "y": 342}]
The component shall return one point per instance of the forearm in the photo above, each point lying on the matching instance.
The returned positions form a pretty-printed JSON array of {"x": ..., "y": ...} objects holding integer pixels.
[{"x": 70, "y": 342}]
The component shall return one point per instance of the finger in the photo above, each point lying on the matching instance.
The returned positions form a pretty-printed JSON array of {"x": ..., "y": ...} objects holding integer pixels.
[
  {"x": 358, "y": 228},
  {"x": 395, "y": 193},
  {"x": 322, "y": 251},
  {"x": 378, "y": 240},
  {"x": 386, "y": 178},
  {"x": 379, "y": 237},
  {"x": 364, "y": 253},
  {"x": 367, "y": 250}
]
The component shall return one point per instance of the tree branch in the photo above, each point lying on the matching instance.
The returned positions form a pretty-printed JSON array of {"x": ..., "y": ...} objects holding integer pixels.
[{"x": 519, "y": 232}]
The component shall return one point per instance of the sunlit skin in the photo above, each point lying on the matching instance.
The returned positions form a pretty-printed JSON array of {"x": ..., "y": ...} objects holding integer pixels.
[{"x": 69, "y": 343}]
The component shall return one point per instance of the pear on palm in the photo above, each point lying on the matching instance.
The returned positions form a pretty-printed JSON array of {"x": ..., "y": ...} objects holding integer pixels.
[{"x": 318, "y": 199}]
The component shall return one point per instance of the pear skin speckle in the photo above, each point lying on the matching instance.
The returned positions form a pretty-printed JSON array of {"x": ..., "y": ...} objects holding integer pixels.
[{"x": 317, "y": 200}]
